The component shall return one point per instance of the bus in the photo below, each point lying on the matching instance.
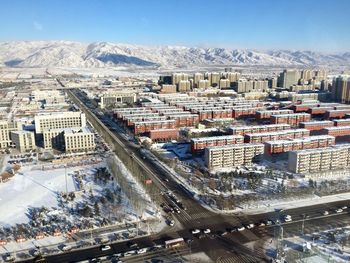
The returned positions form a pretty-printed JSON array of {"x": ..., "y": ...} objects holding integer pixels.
[{"x": 173, "y": 243}]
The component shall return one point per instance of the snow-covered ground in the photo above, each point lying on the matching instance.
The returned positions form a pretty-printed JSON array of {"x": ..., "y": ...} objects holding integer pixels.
[{"x": 31, "y": 188}]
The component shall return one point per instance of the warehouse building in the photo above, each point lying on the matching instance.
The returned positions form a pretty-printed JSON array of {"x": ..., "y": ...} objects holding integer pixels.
[
  {"x": 317, "y": 160},
  {"x": 232, "y": 155}
]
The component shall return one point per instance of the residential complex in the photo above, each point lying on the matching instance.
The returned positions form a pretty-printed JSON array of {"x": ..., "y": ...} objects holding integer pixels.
[
  {"x": 232, "y": 155},
  {"x": 316, "y": 160}
]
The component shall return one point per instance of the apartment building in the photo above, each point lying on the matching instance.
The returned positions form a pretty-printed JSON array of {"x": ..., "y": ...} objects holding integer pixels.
[
  {"x": 232, "y": 155},
  {"x": 282, "y": 146},
  {"x": 198, "y": 144},
  {"x": 266, "y": 114},
  {"x": 277, "y": 135},
  {"x": 337, "y": 131},
  {"x": 315, "y": 125},
  {"x": 242, "y": 130},
  {"x": 59, "y": 120},
  {"x": 24, "y": 140},
  {"x": 291, "y": 119},
  {"x": 317, "y": 160}
]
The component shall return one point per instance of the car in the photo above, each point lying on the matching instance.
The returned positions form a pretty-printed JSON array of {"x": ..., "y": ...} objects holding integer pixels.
[
  {"x": 222, "y": 233},
  {"x": 188, "y": 240},
  {"x": 206, "y": 231},
  {"x": 339, "y": 210},
  {"x": 262, "y": 224},
  {"x": 241, "y": 228},
  {"x": 131, "y": 244},
  {"x": 171, "y": 222},
  {"x": 9, "y": 258},
  {"x": 344, "y": 207},
  {"x": 105, "y": 248},
  {"x": 287, "y": 218},
  {"x": 195, "y": 231},
  {"x": 177, "y": 210},
  {"x": 250, "y": 226},
  {"x": 129, "y": 253},
  {"x": 277, "y": 222},
  {"x": 66, "y": 248},
  {"x": 269, "y": 222},
  {"x": 142, "y": 251},
  {"x": 325, "y": 213}
]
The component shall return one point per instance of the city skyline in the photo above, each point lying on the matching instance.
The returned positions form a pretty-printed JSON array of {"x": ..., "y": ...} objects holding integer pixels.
[{"x": 250, "y": 24}]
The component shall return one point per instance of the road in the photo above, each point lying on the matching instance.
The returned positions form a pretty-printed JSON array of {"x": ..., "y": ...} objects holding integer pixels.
[{"x": 214, "y": 245}]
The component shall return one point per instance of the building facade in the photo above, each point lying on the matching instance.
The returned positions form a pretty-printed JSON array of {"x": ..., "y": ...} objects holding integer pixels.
[
  {"x": 59, "y": 120},
  {"x": 232, "y": 155},
  {"x": 24, "y": 140},
  {"x": 317, "y": 160}
]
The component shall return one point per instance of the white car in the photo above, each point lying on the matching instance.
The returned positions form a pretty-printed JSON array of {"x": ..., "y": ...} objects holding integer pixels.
[
  {"x": 106, "y": 247},
  {"x": 195, "y": 231},
  {"x": 250, "y": 226},
  {"x": 142, "y": 251},
  {"x": 325, "y": 213},
  {"x": 66, "y": 248},
  {"x": 344, "y": 207},
  {"x": 287, "y": 218},
  {"x": 339, "y": 210},
  {"x": 207, "y": 231},
  {"x": 240, "y": 228}
]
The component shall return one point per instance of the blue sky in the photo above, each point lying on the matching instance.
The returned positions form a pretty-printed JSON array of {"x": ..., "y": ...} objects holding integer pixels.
[{"x": 322, "y": 25}]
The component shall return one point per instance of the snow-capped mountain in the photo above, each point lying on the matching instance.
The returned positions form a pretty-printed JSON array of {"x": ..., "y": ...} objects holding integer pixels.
[{"x": 103, "y": 54}]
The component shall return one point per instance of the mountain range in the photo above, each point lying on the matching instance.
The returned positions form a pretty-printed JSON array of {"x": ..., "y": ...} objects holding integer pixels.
[{"x": 105, "y": 54}]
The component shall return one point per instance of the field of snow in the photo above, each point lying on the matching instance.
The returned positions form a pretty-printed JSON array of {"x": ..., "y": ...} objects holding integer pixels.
[{"x": 31, "y": 188}]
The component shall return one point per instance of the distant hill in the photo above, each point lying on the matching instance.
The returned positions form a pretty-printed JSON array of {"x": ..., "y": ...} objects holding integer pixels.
[{"x": 103, "y": 54}]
